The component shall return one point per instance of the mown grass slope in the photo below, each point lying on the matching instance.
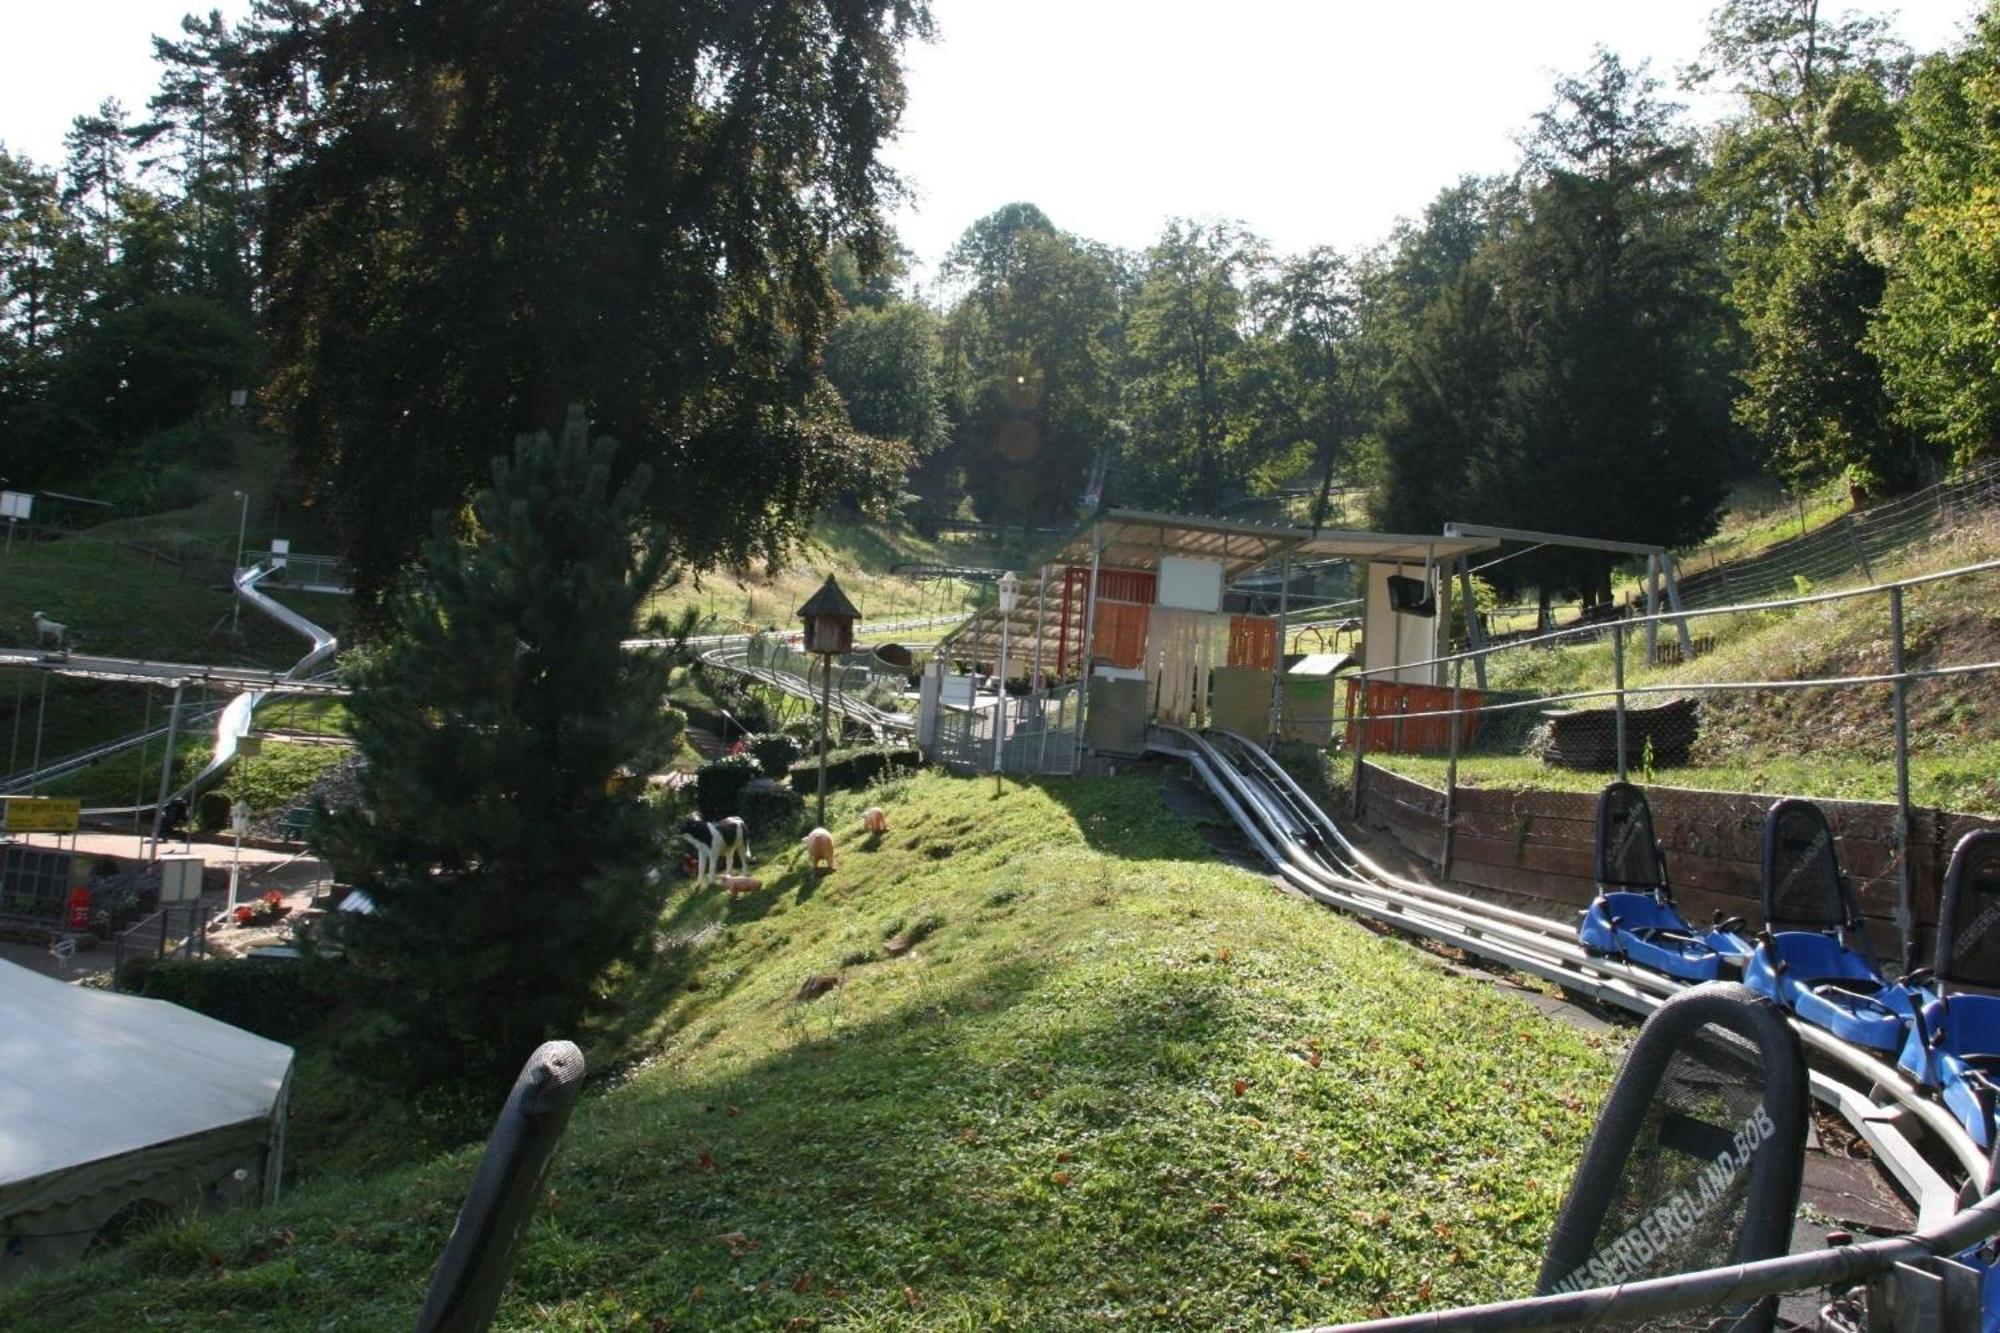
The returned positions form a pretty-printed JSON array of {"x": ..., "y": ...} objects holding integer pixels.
[{"x": 1037, "y": 1061}]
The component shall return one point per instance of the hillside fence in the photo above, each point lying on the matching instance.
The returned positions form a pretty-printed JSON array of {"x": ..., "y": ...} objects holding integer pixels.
[{"x": 1876, "y": 702}]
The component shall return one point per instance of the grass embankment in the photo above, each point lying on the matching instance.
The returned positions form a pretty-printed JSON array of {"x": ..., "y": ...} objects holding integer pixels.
[
  {"x": 860, "y": 554},
  {"x": 1058, "y": 1068},
  {"x": 1832, "y": 742}
]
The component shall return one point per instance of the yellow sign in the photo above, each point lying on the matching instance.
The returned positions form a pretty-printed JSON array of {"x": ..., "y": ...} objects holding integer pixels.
[{"x": 39, "y": 814}]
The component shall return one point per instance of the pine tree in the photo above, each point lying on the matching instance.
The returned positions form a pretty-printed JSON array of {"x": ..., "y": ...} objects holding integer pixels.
[{"x": 507, "y": 867}]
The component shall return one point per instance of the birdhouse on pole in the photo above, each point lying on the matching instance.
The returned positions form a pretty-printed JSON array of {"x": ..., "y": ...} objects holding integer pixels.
[{"x": 829, "y": 619}]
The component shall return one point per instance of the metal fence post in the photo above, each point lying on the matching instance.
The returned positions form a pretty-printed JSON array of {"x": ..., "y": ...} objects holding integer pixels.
[
  {"x": 1359, "y": 716},
  {"x": 1451, "y": 767},
  {"x": 1618, "y": 680},
  {"x": 1900, "y": 701}
]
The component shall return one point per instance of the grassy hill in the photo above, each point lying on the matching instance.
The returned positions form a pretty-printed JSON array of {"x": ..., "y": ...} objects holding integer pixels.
[{"x": 1033, "y": 1061}]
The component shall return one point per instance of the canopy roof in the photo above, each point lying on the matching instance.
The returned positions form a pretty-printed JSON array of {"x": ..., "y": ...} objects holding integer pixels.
[
  {"x": 93, "y": 1075},
  {"x": 1137, "y": 539}
]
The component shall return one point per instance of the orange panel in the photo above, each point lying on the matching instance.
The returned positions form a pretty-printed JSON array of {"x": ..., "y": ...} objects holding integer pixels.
[
  {"x": 1253, "y": 641},
  {"x": 1121, "y": 634}
]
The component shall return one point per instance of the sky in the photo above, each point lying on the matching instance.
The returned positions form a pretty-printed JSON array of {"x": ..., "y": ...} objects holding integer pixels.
[{"x": 1312, "y": 121}]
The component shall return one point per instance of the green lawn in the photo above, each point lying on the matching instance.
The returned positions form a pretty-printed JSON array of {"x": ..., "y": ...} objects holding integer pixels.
[{"x": 1061, "y": 1068}]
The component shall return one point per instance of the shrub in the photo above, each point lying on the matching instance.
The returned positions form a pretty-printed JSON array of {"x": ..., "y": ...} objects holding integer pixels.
[
  {"x": 269, "y": 997},
  {"x": 211, "y": 811},
  {"x": 777, "y": 752},
  {"x": 719, "y": 782},
  {"x": 853, "y": 769},
  {"x": 769, "y": 806}
]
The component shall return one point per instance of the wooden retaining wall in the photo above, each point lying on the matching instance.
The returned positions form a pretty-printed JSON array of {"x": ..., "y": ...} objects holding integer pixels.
[{"x": 1540, "y": 845}]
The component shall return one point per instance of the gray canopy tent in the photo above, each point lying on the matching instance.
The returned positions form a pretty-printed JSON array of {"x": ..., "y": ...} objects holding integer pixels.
[{"x": 116, "y": 1109}]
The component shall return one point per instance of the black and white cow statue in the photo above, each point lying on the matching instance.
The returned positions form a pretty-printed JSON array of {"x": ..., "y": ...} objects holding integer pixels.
[{"x": 717, "y": 846}]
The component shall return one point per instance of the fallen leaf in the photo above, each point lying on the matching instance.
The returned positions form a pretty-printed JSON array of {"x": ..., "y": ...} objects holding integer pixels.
[
  {"x": 1304, "y": 1261},
  {"x": 1035, "y": 1094},
  {"x": 1217, "y": 1209},
  {"x": 1313, "y": 1060},
  {"x": 730, "y": 1238},
  {"x": 730, "y": 1110},
  {"x": 1060, "y": 1177},
  {"x": 803, "y": 1283},
  {"x": 911, "y": 1298},
  {"x": 1065, "y": 1156},
  {"x": 659, "y": 1324},
  {"x": 705, "y": 1162},
  {"x": 1300, "y": 1156},
  {"x": 1222, "y": 955},
  {"x": 1241, "y": 1086},
  {"x": 799, "y": 1321},
  {"x": 968, "y": 1136}
]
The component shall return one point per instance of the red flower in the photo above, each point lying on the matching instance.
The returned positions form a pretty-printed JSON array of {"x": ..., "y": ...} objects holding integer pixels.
[
  {"x": 245, "y": 914},
  {"x": 273, "y": 898}
]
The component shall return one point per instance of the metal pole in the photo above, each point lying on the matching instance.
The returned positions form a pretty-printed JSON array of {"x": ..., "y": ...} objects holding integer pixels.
[
  {"x": 166, "y": 769},
  {"x": 41, "y": 715},
  {"x": 1278, "y": 661},
  {"x": 1900, "y": 698},
  {"x": 1085, "y": 652},
  {"x": 1041, "y": 686},
  {"x": 1000, "y": 703},
  {"x": 825, "y": 707},
  {"x": 1618, "y": 678},
  {"x": 139, "y": 787},
  {"x": 1652, "y": 609},
  {"x": 235, "y": 594},
  {"x": 1474, "y": 635},
  {"x": 1359, "y": 715},
  {"x": 1451, "y": 766},
  {"x": 14, "y": 744},
  {"x": 1672, "y": 579}
]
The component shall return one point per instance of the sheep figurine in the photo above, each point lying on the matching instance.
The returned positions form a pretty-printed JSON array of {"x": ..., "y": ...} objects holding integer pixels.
[
  {"x": 819, "y": 848},
  {"x": 874, "y": 821},
  {"x": 49, "y": 631},
  {"x": 738, "y": 885}
]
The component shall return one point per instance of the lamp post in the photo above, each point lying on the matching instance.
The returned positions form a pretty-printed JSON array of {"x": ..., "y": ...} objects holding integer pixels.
[
  {"x": 1010, "y": 588},
  {"x": 829, "y": 620},
  {"x": 236, "y": 599}
]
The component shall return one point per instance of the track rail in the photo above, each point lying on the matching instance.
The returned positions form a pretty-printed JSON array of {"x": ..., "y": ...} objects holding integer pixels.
[{"x": 1916, "y": 1139}]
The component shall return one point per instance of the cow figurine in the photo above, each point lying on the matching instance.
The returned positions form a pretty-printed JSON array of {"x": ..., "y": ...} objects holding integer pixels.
[
  {"x": 819, "y": 848},
  {"x": 874, "y": 821},
  {"x": 49, "y": 631},
  {"x": 717, "y": 846}
]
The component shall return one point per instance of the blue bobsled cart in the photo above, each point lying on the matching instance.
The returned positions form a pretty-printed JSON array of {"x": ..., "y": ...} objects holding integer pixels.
[
  {"x": 1954, "y": 1043},
  {"x": 1634, "y": 917},
  {"x": 1812, "y": 957}
]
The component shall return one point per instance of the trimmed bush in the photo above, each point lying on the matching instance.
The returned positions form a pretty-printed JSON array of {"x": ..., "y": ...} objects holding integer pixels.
[
  {"x": 769, "y": 806},
  {"x": 269, "y": 997},
  {"x": 211, "y": 811},
  {"x": 777, "y": 752},
  {"x": 853, "y": 769},
  {"x": 719, "y": 782}
]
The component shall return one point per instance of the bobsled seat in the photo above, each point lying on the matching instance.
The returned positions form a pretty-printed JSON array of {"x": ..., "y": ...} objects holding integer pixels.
[
  {"x": 1696, "y": 1158},
  {"x": 1633, "y": 916},
  {"x": 1813, "y": 957},
  {"x": 472, "y": 1272},
  {"x": 1953, "y": 1046}
]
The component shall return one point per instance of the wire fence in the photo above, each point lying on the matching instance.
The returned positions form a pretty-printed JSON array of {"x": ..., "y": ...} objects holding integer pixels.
[
  {"x": 1856, "y": 546},
  {"x": 1880, "y": 701}
]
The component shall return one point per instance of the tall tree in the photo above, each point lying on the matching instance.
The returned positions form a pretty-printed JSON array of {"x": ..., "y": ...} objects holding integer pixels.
[
  {"x": 1311, "y": 312},
  {"x": 484, "y": 212},
  {"x": 1032, "y": 351},
  {"x": 1188, "y": 318},
  {"x": 506, "y": 866},
  {"x": 1813, "y": 394},
  {"x": 1936, "y": 335},
  {"x": 1619, "y": 410}
]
